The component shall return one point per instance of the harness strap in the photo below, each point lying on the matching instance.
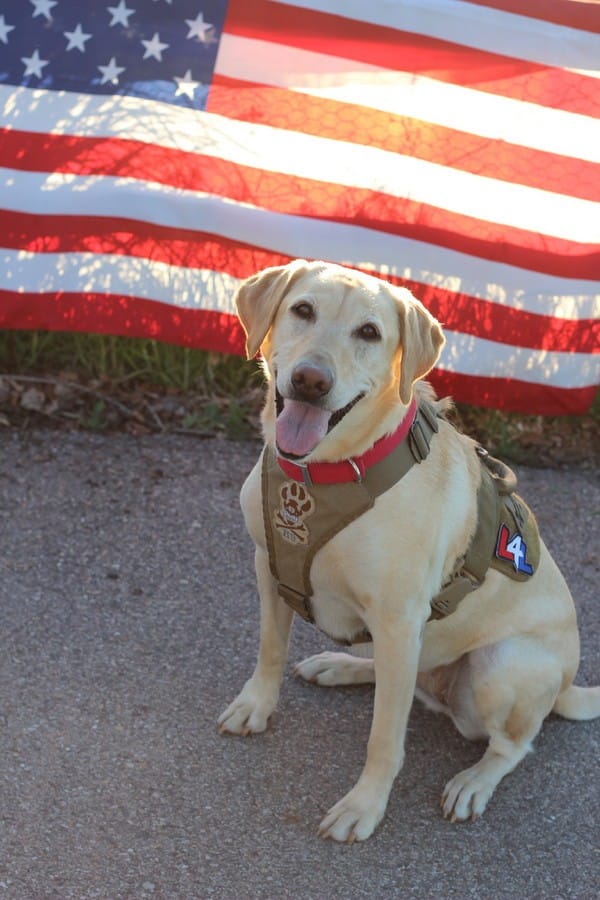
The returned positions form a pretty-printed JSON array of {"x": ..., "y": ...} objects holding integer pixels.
[
  {"x": 497, "y": 506},
  {"x": 471, "y": 570},
  {"x": 292, "y": 542},
  {"x": 294, "y": 538}
]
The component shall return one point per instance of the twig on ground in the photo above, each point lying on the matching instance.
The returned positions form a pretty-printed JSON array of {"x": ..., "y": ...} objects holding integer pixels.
[{"x": 55, "y": 382}]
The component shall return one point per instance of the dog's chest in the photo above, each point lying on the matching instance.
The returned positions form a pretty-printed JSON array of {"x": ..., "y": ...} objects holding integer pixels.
[{"x": 338, "y": 589}]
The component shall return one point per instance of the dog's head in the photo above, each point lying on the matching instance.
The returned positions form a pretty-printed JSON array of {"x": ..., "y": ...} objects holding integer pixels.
[{"x": 339, "y": 347}]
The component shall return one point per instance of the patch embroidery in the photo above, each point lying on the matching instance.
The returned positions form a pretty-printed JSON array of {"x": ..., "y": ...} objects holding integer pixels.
[
  {"x": 513, "y": 549},
  {"x": 296, "y": 505}
]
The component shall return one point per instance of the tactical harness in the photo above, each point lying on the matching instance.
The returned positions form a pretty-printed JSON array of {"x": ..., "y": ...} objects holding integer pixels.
[{"x": 299, "y": 522}]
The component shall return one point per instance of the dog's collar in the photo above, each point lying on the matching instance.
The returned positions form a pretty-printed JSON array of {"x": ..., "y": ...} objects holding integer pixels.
[{"x": 354, "y": 468}]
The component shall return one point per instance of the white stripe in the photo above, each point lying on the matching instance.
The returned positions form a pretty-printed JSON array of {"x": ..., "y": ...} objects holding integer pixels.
[
  {"x": 294, "y": 236},
  {"x": 469, "y": 25},
  {"x": 403, "y": 177},
  {"x": 479, "y": 357},
  {"x": 128, "y": 276},
  {"x": 206, "y": 290},
  {"x": 414, "y": 96},
  {"x": 89, "y": 115}
]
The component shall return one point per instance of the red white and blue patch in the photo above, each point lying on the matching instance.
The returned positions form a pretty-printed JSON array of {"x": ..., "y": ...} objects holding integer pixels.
[{"x": 513, "y": 549}]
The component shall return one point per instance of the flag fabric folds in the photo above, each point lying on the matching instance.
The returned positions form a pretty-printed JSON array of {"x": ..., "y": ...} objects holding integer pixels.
[{"x": 153, "y": 153}]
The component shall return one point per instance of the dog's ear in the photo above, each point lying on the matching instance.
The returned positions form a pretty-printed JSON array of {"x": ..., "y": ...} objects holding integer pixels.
[
  {"x": 258, "y": 297},
  {"x": 421, "y": 340}
]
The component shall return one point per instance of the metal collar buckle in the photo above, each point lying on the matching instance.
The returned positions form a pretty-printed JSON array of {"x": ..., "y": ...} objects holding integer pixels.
[
  {"x": 357, "y": 471},
  {"x": 305, "y": 474}
]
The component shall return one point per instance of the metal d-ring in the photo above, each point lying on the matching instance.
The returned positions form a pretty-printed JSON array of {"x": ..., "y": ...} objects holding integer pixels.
[{"x": 357, "y": 471}]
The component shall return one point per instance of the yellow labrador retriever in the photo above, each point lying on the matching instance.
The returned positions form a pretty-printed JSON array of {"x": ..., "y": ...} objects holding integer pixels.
[{"x": 344, "y": 354}]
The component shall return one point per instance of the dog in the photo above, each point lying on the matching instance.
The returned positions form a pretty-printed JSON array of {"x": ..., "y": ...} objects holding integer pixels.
[{"x": 345, "y": 355}]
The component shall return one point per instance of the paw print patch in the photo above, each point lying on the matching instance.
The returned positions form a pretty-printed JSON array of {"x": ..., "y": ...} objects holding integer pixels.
[{"x": 296, "y": 506}]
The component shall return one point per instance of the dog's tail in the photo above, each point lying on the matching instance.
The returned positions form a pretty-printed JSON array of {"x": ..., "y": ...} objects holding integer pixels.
[{"x": 578, "y": 703}]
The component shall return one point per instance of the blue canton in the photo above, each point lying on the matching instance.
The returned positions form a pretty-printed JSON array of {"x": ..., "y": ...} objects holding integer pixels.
[{"x": 156, "y": 49}]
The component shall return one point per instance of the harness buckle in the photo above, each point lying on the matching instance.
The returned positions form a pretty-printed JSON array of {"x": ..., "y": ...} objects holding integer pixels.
[{"x": 418, "y": 441}]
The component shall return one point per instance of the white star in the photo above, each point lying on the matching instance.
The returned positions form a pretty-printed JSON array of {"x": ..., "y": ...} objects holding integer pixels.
[
  {"x": 186, "y": 85},
  {"x": 33, "y": 64},
  {"x": 77, "y": 39},
  {"x": 198, "y": 28},
  {"x": 166, "y": 1},
  {"x": 120, "y": 14},
  {"x": 154, "y": 47},
  {"x": 111, "y": 72},
  {"x": 43, "y": 7},
  {"x": 4, "y": 29}
]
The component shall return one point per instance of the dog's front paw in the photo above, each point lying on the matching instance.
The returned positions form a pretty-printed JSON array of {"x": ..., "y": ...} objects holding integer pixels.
[
  {"x": 331, "y": 668},
  {"x": 355, "y": 817},
  {"x": 249, "y": 713},
  {"x": 466, "y": 795}
]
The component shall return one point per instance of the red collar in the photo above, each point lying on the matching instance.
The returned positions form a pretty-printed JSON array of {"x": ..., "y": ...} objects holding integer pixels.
[{"x": 354, "y": 468}]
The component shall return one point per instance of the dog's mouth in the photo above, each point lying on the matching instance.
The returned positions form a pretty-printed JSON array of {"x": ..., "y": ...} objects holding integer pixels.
[{"x": 300, "y": 426}]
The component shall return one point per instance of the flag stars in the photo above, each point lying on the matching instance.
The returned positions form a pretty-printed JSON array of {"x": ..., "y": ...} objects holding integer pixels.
[
  {"x": 33, "y": 64},
  {"x": 200, "y": 29},
  {"x": 4, "y": 29},
  {"x": 42, "y": 8},
  {"x": 77, "y": 39},
  {"x": 154, "y": 48},
  {"x": 120, "y": 14},
  {"x": 111, "y": 72},
  {"x": 186, "y": 85}
]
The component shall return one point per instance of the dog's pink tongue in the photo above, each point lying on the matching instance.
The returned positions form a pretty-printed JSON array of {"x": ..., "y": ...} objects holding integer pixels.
[{"x": 300, "y": 427}]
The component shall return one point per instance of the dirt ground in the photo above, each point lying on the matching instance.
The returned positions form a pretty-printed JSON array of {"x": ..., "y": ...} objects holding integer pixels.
[{"x": 66, "y": 401}]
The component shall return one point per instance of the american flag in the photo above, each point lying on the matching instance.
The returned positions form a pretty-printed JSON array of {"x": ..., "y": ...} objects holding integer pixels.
[{"x": 153, "y": 153}]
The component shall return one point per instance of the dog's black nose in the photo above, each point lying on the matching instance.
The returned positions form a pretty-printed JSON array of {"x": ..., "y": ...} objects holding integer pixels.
[{"x": 311, "y": 382}]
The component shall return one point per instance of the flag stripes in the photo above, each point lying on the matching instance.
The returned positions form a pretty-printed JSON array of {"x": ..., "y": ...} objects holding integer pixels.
[{"x": 450, "y": 147}]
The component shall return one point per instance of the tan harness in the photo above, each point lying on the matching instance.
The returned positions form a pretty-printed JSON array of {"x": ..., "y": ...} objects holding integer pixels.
[{"x": 300, "y": 519}]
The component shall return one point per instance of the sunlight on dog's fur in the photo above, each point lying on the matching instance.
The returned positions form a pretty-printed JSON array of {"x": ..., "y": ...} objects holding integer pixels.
[{"x": 344, "y": 354}]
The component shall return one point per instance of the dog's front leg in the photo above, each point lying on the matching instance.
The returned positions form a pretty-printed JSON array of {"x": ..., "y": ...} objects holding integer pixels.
[
  {"x": 249, "y": 713},
  {"x": 396, "y": 652}
]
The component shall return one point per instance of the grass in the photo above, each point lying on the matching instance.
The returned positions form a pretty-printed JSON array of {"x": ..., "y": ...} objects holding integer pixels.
[
  {"x": 106, "y": 383},
  {"x": 136, "y": 384},
  {"x": 121, "y": 360}
]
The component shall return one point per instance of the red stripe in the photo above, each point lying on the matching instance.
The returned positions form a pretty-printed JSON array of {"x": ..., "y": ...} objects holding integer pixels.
[
  {"x": 125, "y": 316},
  {"x": 407, "y": 52},
  {"x": 581, "y": 14},
  {"x": 457, "y": 312},
  {"x": 511, "y": 395},
  {"x": 128, "y": 237},
  {"x": 291, "y": 111},
  {"x": 310, "y": 198},
  {"x": 133, "y": 317},
  {"x": 481, "y": 318}
]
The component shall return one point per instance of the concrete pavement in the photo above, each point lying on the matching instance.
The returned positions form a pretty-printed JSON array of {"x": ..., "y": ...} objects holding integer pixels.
[{"x": 129, "y": 620}]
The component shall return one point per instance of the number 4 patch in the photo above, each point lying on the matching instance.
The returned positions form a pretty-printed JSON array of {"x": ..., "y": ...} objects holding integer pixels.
[{"x": 513, "y": 549}]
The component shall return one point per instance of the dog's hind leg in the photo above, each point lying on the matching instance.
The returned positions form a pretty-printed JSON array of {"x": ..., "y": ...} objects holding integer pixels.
[
  {"x": 515, "y": 684},
  {"x": 330, "y": 669}
]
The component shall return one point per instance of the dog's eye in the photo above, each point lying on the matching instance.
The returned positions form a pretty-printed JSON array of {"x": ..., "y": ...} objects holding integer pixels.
[
  {"x": 304, "y": 311},
  {"x": 368, "y": 332}
]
